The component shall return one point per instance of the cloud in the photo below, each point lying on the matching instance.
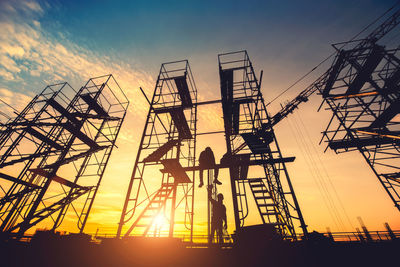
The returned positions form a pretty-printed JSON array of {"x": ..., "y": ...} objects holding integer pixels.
[
  {"x": 11, "y": 100},
  {"x": 32, "y": 6},
  {"x": 24, "y": 43},
  {"x": 31, "y": 56},
  {"x": 9, "y": 64},
  {"x": 25, "y": 7},
  {"x": 6, "y": 75}
]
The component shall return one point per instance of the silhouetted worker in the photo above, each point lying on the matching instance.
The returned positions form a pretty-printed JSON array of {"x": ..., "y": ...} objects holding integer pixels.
[
  {"x": 207, "y": 161},
  {"x": 218, "y": 216}
]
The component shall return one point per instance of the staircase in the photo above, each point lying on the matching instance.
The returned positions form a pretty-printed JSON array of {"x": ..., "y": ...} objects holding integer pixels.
[
  {"x": 161, "y": 151},
  {"x": 265, "y": 203},
  {"x": 146, "y": 218}
]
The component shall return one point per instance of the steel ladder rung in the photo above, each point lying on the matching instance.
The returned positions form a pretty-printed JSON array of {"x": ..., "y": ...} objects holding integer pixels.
[
  {"x": 270, "y": 214},
  {"x": 266, "y": 205},
  {"x": 263, "y": 197},
  {"x": 256, "y": 185},
  {"x": 260, "y": 191}
]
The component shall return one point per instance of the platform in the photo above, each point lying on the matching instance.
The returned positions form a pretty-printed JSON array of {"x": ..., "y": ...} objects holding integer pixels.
[
  {"x": 239, "y": 162},
  {"x": 179, "y": 119},
  {"x": 55, "y": 178},
  {"x": 174, "y": 167}
]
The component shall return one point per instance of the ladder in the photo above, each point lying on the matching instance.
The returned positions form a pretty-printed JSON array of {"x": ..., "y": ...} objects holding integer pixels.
[
  {"x": 243, "y": 208},
  {"x": 389, "y": 181}
]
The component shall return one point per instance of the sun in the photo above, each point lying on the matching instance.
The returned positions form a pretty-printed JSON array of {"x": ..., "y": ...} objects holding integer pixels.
[{"x": 160, "y": 220}]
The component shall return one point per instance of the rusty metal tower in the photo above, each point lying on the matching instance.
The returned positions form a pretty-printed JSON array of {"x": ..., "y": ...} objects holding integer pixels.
[
  {"x": 54, "y": 152},
  {"x": 168, "y": 144}
]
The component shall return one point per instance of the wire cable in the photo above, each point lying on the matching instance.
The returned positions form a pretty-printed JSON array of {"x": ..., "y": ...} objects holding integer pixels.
[
  {"x": 325, "y": 172},
  {"x": 300, "y": 143},
  {"x": 8, "y": 105},
  {"x": 331, "y": 55}
]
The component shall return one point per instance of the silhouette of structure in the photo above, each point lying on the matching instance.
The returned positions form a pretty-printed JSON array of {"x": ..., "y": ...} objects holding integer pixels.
[
  {"x": 54, "y": 152},
  {"x": 361, "y": 88},
  {"x": 251, "y": 144},
  {"x": 168, "y": 142},
  {"x": 362, "y": 91}
]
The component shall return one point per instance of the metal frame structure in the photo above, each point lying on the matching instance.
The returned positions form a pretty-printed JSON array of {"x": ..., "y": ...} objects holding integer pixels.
[
  {"x": 54, "y": 152},
  {"x": 251, "y": 144},
  {"x": 169, "y": 139},
  {"x": 168, "y": 144},
  {"x": 361, "y": 88},
  {"x": 379, "y": 33},
  {"x": 362, "y": 91}
]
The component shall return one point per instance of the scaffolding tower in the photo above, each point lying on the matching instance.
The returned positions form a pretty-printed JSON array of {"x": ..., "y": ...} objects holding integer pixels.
[
  {"x": 168, "y": 144},
  {"x": 54, "y": 152},
  {"x": 252, "y": 149},
  {"x": 362, "y": 90}
]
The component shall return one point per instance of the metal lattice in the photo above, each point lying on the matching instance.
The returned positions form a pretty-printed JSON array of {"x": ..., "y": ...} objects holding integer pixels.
[
  {"x": 54, "y": 152},
  {"x": 168, "y": 144},
  {"x": 251, "y": 143},
  {"x": 362, "y": 90}
]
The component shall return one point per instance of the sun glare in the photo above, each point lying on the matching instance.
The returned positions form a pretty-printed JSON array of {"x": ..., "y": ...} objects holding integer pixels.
[{"x": 160, "y": 220}]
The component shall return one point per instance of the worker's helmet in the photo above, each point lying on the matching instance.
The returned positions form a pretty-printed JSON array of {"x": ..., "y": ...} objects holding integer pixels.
[{"x": 220, "y": 196}]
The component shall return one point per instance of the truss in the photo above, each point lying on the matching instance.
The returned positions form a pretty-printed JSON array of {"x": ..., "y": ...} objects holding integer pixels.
[
  {"x": 168, "y": 143},
  {"x": 251, "y": 143},
  {"x": 54, "y": 152},
  {"x": 362, "y": 90}
]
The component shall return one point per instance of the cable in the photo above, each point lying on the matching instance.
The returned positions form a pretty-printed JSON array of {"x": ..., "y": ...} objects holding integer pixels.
[
  {"x": 8, "y": 105},
  {"x": 326, "y": 173},
  {"x": 295, "y": 131},
  {"x": 331, "y": 55},
  {"x": 306, "y": 140},
  {"x": 5, "y": 115}
]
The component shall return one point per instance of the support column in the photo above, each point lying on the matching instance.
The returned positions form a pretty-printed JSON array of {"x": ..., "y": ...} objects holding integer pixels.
[{"x": 172, "y": 218}]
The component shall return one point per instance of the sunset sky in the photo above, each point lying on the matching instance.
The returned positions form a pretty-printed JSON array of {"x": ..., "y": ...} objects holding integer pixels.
[{"x": 45, "y": 42}]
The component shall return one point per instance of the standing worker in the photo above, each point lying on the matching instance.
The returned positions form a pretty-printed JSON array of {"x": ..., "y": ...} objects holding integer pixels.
[
  {"x": 218, "y": 216},
  {"x": 207, "y": 161}
]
